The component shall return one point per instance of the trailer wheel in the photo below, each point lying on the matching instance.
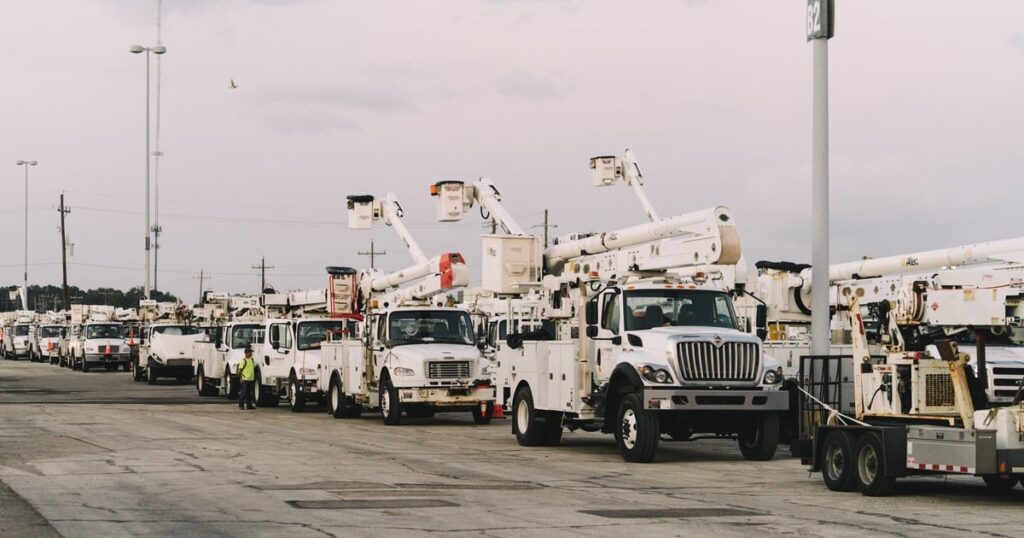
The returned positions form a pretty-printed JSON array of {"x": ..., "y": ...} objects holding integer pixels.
[
  {"x": 390, "y": 405},
  {"x": 870, "y": 470},
  {"x": 336, "y": 404},
  {"x": 296, "y": 398},
  {"x": 637, "y": 430},
  {"x": 760, "y": 439},
  {"x": 527, "y": 424},
  {"x": 837, "y": 468},
  {"x": 482, "y": 414},
  {"x": 999, "y": 484}
]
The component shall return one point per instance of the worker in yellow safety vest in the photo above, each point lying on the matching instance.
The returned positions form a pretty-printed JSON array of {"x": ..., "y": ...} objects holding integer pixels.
[{"x": 247, "y": 376}]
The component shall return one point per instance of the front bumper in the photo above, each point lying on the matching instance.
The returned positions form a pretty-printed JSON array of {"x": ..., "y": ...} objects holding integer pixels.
[
  {"x": 452, "y": 396},
  {"x": 174, "y": 363},
  {"x": 674, "y": 399},
  {"x": 100, "y": 358}
]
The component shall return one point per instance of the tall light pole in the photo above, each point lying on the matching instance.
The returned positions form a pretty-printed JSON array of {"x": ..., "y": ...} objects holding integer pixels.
[
  {"x": 820, "y": 19},
  {"x": 136, "y": 49},
  {"x": 24, "y": 288}
]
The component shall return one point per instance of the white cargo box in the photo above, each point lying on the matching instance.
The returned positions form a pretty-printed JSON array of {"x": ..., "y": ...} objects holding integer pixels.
[
  {"x": 511, "y": 263},
  {"x": 968, "y": 306}
]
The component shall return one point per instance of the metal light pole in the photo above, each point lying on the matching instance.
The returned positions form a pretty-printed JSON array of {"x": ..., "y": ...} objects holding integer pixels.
[
  {"x": 24, "y": 288},
  {"x": 820, "y": 18},
  {"x": 136, "y": 49}
]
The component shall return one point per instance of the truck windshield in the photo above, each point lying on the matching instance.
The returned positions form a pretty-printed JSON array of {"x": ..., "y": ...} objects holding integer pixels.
[
  {"x": 176, "y": 330},
  {"x": 49, "y": 332},
  {"x": 647, "y": 309},
  {"x": 312, "y": 333},
  {"x": 21, "y": 330},
  {"x": 430, "y": 326},
  {"x": 103, "y": 331},
  {"x": 244, "y": 335}
]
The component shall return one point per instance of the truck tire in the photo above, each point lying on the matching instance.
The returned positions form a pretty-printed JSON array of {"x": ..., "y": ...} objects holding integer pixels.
[
  {"x": 870, "y": 475},
  {"x": 336, "y": 404},
  {"x": 296, "y": 398},
  {"x": 838, "y": 467},
  {"x": 637, "y": 430},
  {"x": 85, "y": 366},
  {"x": 136, "y": 371},
  {"x": 533, "y": 427},
  {"x": 390, "y": 404},
  {"x": 483, "y": 416},
  {"x": 230, "y": 389},
  {"x": 999, "y": 484},
  {"x": 152, "y": 373},
  {"x": 260, "y": 392},
  {"x": 202, "y": 386},
  {"x": 759, "y": 442}
]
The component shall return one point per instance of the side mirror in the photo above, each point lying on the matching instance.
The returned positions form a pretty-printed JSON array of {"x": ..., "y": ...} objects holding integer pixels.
[
  {"x": 591, "y": 312},
  {"x": 591, "y": 331},
  {"x": 617, "y": 340},
  {"x": 275, "y": 344}
]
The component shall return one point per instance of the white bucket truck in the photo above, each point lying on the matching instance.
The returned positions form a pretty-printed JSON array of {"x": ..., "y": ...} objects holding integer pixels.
[
  {"x": 166, "y": 347},
  {"x": 238, "y": 324},
  {"x": 18, "y": 340},
  {"x": 97, "y": 340},
  {"x": 415, "y": 355}
]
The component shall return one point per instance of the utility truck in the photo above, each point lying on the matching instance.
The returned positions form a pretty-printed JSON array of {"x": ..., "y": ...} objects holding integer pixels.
[
  {"x": 659, "y": 350},
  {"x": 238, "y": 323},
  {"x": 18, "y": 336},
  {"x": 915, "y": 413},
  {"x": 415, "y": 354},
  {"x": 49, "y": 341},
  {"x": 96, "y": 340},
  {"x": 166, "y": 346}
]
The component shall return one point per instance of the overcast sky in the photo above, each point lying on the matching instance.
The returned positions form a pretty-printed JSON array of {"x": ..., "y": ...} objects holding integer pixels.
[{"x": 339, "y": 98}]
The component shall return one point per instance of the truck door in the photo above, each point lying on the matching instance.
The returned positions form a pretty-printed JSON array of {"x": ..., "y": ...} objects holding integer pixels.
[
  {"x": 378, "y": 351},
  {"x": 609, "y": 327},
  {"x": 279, "y": 344}
]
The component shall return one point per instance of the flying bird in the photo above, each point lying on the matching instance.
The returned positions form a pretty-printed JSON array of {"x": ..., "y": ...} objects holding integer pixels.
[{"x": 232, "y": 85}]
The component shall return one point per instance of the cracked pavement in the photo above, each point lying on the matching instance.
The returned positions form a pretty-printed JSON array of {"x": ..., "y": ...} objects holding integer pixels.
[{"x": 99, "y": 455}]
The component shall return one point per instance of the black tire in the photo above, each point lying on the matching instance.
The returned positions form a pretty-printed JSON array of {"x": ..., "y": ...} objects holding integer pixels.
[
  {"x": 760, "y": 440},
  {"x": 870, "y": 473},
  {"x": 837, "y": 462},
  {"x": 296, "y": 398},
  {"x": 152, "y": 373},
  {"x": 125, "y": 367},
  {"x": 390, "y": 404},
  {"x": 1000, "y": 484},
  {"x": 261, "y": 393},
  {"x": 204, "y": 387},
  {"x": 136, "y": 371},
  {"x": 354, "y": 410},
  {"x": 483, "y": 416},
  {"x": 85, "y": 366},
  {"x": 230, "y": 389},
  {"x": 337, "y": 406},
  {"x": 637, "y": 430},
  {"x": 533, "y": 427}
]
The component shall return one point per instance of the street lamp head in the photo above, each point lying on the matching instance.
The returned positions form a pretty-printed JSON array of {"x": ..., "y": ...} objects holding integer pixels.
[
  {"x": 19, "y": 163},
  {"x": 32, "y": 163},
  {"x": 135, "y": 49},
  {"x": 159, "y": 49}
]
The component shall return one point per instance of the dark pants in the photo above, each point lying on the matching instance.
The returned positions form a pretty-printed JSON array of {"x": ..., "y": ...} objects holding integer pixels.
[{"x": 245, "y": 394}]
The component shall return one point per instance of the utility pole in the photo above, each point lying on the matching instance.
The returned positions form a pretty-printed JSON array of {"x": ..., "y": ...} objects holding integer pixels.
[
  {"x": 201, "y": 278},
  {"x": 63, "y": 252},
  {"x": 263, "y": 272},
  {"x": 820, "y": 22},
  {"x": 373, "y": 254},
  {"x": 545, "y": 228},
  {"x": 157, "y": 154}
]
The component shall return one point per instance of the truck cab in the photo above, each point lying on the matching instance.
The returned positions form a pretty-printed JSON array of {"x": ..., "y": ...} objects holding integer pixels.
[
  {"x": 216, "y": 361},
  {"x": 48, "y": 342},
  {"x": 166, "y": 351},
  {"x": 290, "y": 359},
  {"x": 99, "y": 343},
  {"x": 18, "y": 343}
]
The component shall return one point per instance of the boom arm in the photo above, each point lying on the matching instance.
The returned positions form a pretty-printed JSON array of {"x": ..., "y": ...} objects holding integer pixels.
[{"x": 457, "y": 197}]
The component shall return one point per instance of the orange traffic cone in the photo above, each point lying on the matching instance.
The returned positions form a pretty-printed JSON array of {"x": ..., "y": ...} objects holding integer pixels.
[
  {"x": 499, "y": 411},
  {"x": 106, "y": 351}
]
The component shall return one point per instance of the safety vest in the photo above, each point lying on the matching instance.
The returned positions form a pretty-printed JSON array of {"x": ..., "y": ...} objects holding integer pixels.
[{"x": 247, "y": 369}]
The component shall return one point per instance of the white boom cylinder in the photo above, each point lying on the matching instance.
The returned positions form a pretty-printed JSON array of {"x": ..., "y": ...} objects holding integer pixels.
[
  {"x": 413, "y": 272},
  {"x": 706, "y": 222},
  {"x": 488, "y": 198},
  {"x": 392, "y": 212},
  {"x": 990, "y": 251}
]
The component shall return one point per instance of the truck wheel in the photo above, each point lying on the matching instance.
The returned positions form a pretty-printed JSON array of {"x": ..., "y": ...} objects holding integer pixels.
[
  {"x": 230, "y": 390},
  {"x": 296, "y": 398},
  {"x": 202, "y": 386},
  {"x": 999, "y": 484},
  {"x": 870, "y": 474},
  {"x": 533, "y": 427},
  {"x": 837, "y": 467},
  {"x": 260, "y": 392},
  {"x": 152, "y": 373},
  {"x": 136, "y": 371},
  {"x": 336, "y": 404},
  {"x": 85, "y": 366},
  {"x": 483, "y": 412},
  {"x": 390, "y": 405},
  {"x": 637, "y": 430},
  {"x": 760, "y": 439}
]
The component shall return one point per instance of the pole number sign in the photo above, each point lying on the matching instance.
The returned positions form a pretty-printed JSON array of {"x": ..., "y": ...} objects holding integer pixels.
[{"x": 820, "y": 19}]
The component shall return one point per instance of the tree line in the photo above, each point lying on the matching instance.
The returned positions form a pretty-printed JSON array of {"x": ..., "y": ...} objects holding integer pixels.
[{"x": 43, "y": 298}]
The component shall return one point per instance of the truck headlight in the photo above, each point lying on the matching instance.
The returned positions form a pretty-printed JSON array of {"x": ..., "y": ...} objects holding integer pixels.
[
  {"x": 773, "y": 377},
  {"x": 402, "y": 371},
  {"x": 307, "y": 372},
  {"x": 655, "y": 375}
]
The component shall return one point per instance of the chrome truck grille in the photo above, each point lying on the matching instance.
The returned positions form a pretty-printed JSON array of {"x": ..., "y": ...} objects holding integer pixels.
[
  {"x": 731, "y": 361},
  {"x": 447, "y": 369}
]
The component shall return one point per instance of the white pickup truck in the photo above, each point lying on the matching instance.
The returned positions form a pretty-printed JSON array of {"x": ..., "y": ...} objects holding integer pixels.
[
  {"x": 99, "y": 343},
  {"x": 215, "y": 363}
]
